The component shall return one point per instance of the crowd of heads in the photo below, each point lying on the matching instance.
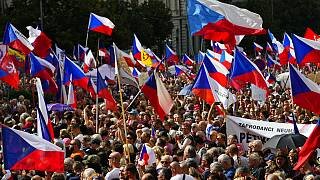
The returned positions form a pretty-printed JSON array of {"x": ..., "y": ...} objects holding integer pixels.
[{"x": 182, "y": 144}]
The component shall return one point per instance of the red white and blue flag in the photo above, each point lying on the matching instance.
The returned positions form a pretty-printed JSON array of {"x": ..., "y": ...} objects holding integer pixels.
[
  {"x": 8, "y": 72},
  {"x": 103, "y": 92},
  {"x": 306, "y": 50},
  {"x": 78, "y": 76},
  {"x": 15, "y": 39},
  {"x": 216, "y": 71},
  {"x": 271, "y": 62},
  {"x": 226, "y": 59},
  {"x": 310, "y": 34},
  {"x": 100, "y": 24},
  {"x": 158, "y": 95},
  {"x": 79, "y": 52},
  {"x": 147, "y": 156},
  {"x": 187, "y": 60},
  {"x": 288, "y": 46},
  {"x": 44, "y": 124},
  {"x": 305, "y": 93},
  {"x": 221, "y": 22},
  {"x": 171, "y": 56},
  {"x": 89, "y": 61},
  {"x": 39, "y": 41},
  {"x": 41, "y": 68},
  {"x": 244, "y": 71},
  {"x": 72, "y": 98},
  {"x": 269, "y": 48},
  {"x": 24, "y": 151}
]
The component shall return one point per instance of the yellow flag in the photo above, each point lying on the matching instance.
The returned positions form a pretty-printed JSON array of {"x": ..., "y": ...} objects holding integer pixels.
[{"x": 145, "y": 58}]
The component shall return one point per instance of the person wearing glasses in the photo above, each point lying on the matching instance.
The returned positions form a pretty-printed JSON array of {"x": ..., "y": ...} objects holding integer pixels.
[{"x": 114, "y": 162}]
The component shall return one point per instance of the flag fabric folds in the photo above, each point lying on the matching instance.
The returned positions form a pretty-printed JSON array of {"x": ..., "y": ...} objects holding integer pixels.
[
  {"x": 41, "y": 68},
  {"x": 288, "y": 47},
  {"x": 103, "y": 92},
  {"x": 79, "y": 52},
  {"x": 8, "y": 72},
  {"x": 187, "y": 60},
  {"x": 89, "y": 61},
  {"x": 147, "y": 156},
  {"x": 158, "y": 95},
  {"x": 216, "y": 71},
  {"x": 39, "y": 41},
  {"x": 100, "y": 24},
  {"x": 46, "y": 129},
  {"x": 171, "y": 56},
  {"x": 210, "y": 90},
  {"x": 312, "y": 143},
  {"x": 305, "y": 93},
  {"x": 24, "y": 151},
  {"x": 310, "y": 34},
  {"x": 15, "y": 39},
  {"x": 306, "y": 50},
  {"x": 72, "y": 98},
  {"x": 78, "y": 76},
  {"x": 221, "y": 22},
  {"x": 244, "y": 71},
  {"x": 257, "y": 47}
]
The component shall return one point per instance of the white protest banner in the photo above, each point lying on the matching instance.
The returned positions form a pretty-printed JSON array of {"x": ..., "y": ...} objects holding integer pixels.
[
  {"x": 258, "y": 94},
  {"x": 248, "y": 130}
]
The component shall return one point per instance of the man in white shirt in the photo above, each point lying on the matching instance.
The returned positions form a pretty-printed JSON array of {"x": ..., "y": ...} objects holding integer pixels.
[{"x": 114, "y": 162}]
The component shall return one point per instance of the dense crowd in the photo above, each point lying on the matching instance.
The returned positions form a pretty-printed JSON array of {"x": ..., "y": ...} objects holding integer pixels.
[{"x": 184, "y": 148}]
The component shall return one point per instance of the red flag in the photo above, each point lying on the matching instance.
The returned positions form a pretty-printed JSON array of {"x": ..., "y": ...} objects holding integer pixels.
[
  {"x": 8, "y": 71},
  {"x": 312, "y": 143},
  {"x": 310, "y": 34}
]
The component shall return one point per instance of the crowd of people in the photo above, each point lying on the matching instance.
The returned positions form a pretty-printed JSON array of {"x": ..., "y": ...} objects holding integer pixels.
[{"x": 184, "y": 148}]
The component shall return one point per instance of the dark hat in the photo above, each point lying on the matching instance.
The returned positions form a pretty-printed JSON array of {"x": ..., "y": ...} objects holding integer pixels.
[
  {"x": 96, "y": 141},
  {"x": 92, "y": 159}
]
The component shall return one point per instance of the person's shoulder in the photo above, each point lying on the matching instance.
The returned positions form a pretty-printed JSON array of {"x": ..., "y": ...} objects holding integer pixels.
[{"x": 180, "y": 177}]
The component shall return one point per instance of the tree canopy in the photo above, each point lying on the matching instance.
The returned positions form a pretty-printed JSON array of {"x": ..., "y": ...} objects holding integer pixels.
[{"x": 66, "y": 22}]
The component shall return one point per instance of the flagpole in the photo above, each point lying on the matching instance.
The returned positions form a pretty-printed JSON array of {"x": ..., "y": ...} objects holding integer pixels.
[
  {"x": 133, "y": 100},
  {"x": 97, "y": 97},
  {"x": 122, "y": 107}
]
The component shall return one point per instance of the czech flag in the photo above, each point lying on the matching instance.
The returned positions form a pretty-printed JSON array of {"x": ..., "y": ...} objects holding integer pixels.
[
  {"x": 213, "y": 55},
  {"x": 257, "y": 47},
  {"x": 136, "y": 47},
  {"x": 135, "y": 73},
  {"x": 79, "y": 52},
  {"x": 269, "y": 48},
  {"x": 305, "y": 93},
  {"x": 244, "y": 71},
  {"x": 104, "y": 53},
  {"x": 200, "y": 57},
  {"x": 288, "y": 46},
  {"x": 45, "y": 129},
  {"x": 39, "y": 41},
  {"x": 307, "y": 150},
  {"x": 78, "y": 76},
  {"x": 103, "y": 92},
  {"x": 310, "y": 34},
  {"x": 8, "y": 72},
  {"x": 216, "y": 71},
  {"x": 306, "y": 50},
  {"x": 210, "y": 90},
  {"x": 147, "y": 156},
  {"x": 272, "y": 63},
  {"x": 15, "y": 39},
  {"x": 187, "y": 60},
  {"x": 49, "y": 86},
  {"x": 221, "y": 22},
  {"x": 158, "y": 95},
  {"x": 24, "y": 151},
  {"x": 178, "y": 71},
  {"x": 41, "y": 68},
  {"x": 271, "y": 78},
  {"x": 171, "y": 56},
  {"x": 226, "y": 59},
  {"x": 100, "y": 24}
]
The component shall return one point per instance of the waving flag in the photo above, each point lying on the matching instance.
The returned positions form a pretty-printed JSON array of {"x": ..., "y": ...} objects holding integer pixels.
[
  {"x": 171, "y": 56},
  {"x": 306, "y": 50},
  {"x": 178, "y": 71},
  {"x": 221, "y": 22},
  {"x": 104, "y": 53},
  {"x": 213, "y": 55},
  {"x": 310, "y": 34},
  {"x": 271, "y": 78},
  {"x": 39, "y": 41},
  {"x": 78, "y": 76},
  {"x": 136, "y": 47},
  {"x": 187, "y": 61},
  {"x": 45, "y": 129},
  {"x": 257, "y": 47},
  {"x": 200, "y": 57},
  {"x": 8, "y": 71},
  {"x": 312, "y": 143},
  {"x": 41, "y": 68},
  {"x": 79, "y": 52},
  {"x": 210, "y": 90},
  {"x": 305, "y": 93},
  {"x": 158, "y": 95},
  {"x": 288, "y": 46},
  {"x": 100, "y": 24},
  {"x": 244, "y": 71},
  {"x": 216, "y": 71},
  {"x": 226, "y": 59},
  {"x": 103, "y": 92},
  {"x": 49, "y": 86},
  {"x": 89, "y": 61},
  {"x": 24, "y": 151},
  {"x": 271, "y": 63},
  {"x": 147, "y": 156},
  {"x": 15, "y": 39},
  {"x": 135, "y": 73}
]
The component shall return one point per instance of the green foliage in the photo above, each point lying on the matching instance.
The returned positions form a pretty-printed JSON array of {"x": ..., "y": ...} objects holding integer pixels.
[{"x": 66, "y": 22}]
